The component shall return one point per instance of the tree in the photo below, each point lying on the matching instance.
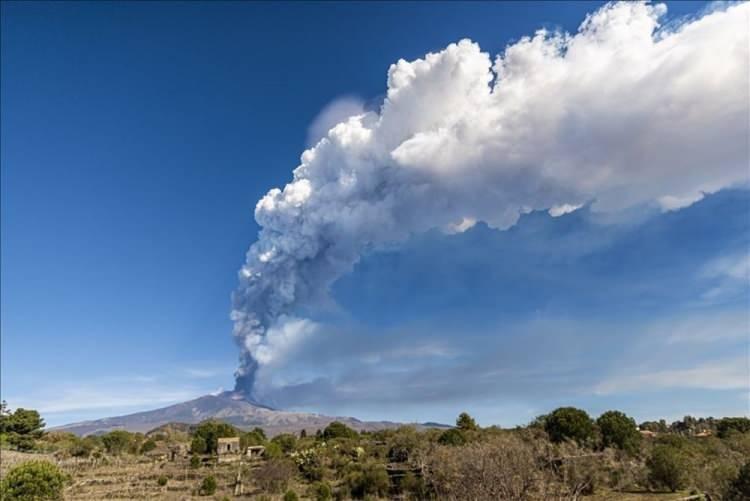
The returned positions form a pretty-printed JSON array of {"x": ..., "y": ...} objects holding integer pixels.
[
  {"x": 252, "y": 438},
  {"x": 569, "y": 423},
  {"x": 666, "y": 467},
  {"x": 148, "y": 446},
  {"x": 33, "y": 481},
  {"x": 198, "y": 445},
  {"x": 116, "y": 442},
  {"x": 22, "y": 427},
  {"x": 733, "y": 424},
  {"x": 454, "y": 436},
  {"x": 739, "y": 489},
  {"x": 290, "y": 495},
  {"x": 338, "y": 430},
  {"x": 303, "y": 433},
  {"x": 466, "y": 422},
  {"x": 212, "y": 431},
  {"x": 286, "y": 441},
  {"x": 619, "y": 431}
]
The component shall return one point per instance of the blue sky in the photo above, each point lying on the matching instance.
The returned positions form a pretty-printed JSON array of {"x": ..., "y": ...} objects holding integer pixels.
[{"x": 137, "y": 139}]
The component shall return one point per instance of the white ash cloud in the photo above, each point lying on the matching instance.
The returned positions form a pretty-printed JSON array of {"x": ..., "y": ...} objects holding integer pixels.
[{"x": 621, "y": 113}]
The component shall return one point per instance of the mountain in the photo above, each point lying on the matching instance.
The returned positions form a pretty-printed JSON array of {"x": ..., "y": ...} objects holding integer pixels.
[{"x": 231, "y": 407}]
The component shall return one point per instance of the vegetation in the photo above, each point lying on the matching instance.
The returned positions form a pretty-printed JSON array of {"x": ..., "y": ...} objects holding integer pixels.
[
  {"x": 562, "y": 455},
  {"x": 667, "y": 466},
  {"x": 208, "y": 486},
  {"x": 569, "y": 423},
  {"x": 33, "y": 480},
  {"x": 618, "y": 431}
]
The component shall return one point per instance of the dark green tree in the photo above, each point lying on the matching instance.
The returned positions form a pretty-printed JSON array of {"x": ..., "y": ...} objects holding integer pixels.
[
  {"x": 116, "y": 442},
  {"x": 569, "y": 423},
  {"x": 338, "y": 430},
  {"x": 286, "y": 441},
  {"x": 454, "y": 436},
  {"x": 739, "y": 489},
  {"x": 466, "y": 422},
  {"x": 619, "y": 431},
  {"x": 667, "y": 467},
  {"x": 733, "y": 424},
  {"x": 33, "y": 481},
  {"x": 211, "y": 431}
]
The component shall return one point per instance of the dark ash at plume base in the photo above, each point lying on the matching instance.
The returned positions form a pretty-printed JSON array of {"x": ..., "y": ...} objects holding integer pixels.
[{"x": 244, "y": 376}]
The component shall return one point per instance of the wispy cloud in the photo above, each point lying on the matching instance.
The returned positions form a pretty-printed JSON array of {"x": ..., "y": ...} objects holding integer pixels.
[{"x": 726, "y": 374}]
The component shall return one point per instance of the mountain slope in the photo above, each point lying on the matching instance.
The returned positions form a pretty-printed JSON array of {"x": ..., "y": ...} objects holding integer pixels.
[{"x": 230, "y": 407}]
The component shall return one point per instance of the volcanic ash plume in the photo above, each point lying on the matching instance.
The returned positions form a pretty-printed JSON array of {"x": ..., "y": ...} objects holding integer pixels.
[{"x": 622, "y": 113}]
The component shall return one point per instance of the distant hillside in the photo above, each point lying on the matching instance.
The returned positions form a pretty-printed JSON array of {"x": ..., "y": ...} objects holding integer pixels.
[{"x": 230, "y": 407}]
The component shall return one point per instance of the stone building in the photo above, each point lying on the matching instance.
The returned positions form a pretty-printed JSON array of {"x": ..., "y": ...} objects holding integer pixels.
[{"x": 228, "y": 445}]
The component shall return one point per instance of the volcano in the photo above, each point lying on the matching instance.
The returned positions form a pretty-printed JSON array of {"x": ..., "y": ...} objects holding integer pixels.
[{"x": 231, "y": 407}]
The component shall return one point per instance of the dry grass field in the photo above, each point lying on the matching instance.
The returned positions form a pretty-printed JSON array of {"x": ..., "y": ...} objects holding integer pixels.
[{"x": 133, "y": 478}]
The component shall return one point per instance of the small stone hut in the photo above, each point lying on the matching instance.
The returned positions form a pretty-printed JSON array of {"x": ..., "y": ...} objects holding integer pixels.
[
  {"x": 228, "y": 445},
  {"x": 255, "y": 451}
]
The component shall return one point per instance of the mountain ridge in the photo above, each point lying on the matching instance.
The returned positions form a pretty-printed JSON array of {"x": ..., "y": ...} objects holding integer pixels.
[{"x": 231, "y": 407}]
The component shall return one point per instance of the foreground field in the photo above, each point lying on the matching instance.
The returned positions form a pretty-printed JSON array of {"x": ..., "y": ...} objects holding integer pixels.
[
  {"x": 131, "y": 478},
  {"x": 564, "y": 455}
]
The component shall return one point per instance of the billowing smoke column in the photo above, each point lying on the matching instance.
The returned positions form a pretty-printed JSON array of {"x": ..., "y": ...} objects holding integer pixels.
[{"x": 622, "y": 113}]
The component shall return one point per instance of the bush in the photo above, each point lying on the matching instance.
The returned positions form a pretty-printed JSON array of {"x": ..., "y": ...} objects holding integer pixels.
[
  {"x": 320, "y": 491},
  {"x": 452, "y": 437},
  {"x": 162, "y": 480},
  {"x": 667, "y": 467},
  {"x": 33, "y": 480},
  {"x": 569, "y": 423},
  {"x": 367, "y": 480},
  {"x": 195, "y": 461},
  {"x": 208, "y": 486},
  {"x": 274, "y": 475},
  {"x": 290, "y": 495},
  {"x": 338, "y": 430},
  {"x": 148, "y": 446},
  {"x": 619, "y": 431}
]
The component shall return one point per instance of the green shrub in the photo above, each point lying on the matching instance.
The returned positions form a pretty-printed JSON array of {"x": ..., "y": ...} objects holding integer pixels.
[
  {"x": 369, "y": 479},
  {"x": 453, "y": 436},
  {"x": 33, "y": 481},
  {"x": 290, "y": 495},
  {"x": 320, "y": 491},
  {"x": 148, "y": 446},
  {"x": 208, "y": 486},
  {"x": 619, "y": 431},
  {"x": 569, "y": 423},
  {"x": 667, "y": 467},
  {"x": 162, "y": 480},
  {"x": 195, "y": 461}
]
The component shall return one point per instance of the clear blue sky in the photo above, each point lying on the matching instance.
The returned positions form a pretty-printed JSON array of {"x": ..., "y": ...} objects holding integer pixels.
[{"x": 137, "y": 138}]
